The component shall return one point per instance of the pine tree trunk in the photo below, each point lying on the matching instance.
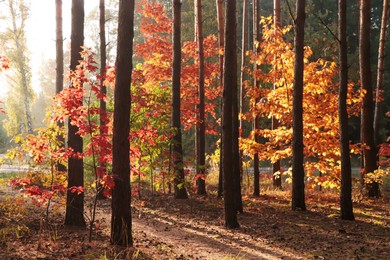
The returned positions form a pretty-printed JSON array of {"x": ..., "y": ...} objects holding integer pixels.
[
  {"x": 229, "y": 88},
  {"x": 346, "y": 174},
  {"x": 369, "y": 151},
  {"x": 276, "y": 179},
  {"x": 177, "y": 152},
  {"x": 200, "y": 111},
  {"x": 298, "y": 174},
  {"x": 121, "y": 230},
  {"x": 255, "y": 125},
  {"x": 103, "y": 107},
  {"x": 380, "y": 73},
  {"x": 59, "y": 69},
  {"x": 221, "y": 40},
  {"x": 75, "y": 202},
  {"x": 242, "y": 75}
]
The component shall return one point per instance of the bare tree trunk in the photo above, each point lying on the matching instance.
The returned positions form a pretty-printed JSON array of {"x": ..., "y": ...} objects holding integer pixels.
[
  {"x": 221, "y": 40},
  {"x": 21, "y": 64},
  {"x": 255, "y": 126},
  {"x": 369, "y": 151},
  {"x": 177, "y": 152},
  {"x": 276, "y": 179},
  {"x": 346, "y": 174},
  {"x": 380, "y": 73},
  {"x": 75, "y": 202},
  {"x": 229, "y": 90},
  {"x": 121, "y": 230},
  {"x": 298, "y": 173},
  {"x": 103, "y": 107},
  {"x": 242, "y": 76},
  {"x": 200, "y": 111},
  {"x": 59, "y": 69}
]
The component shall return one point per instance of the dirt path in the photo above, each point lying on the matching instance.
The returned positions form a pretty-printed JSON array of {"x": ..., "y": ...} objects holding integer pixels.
[{"x": 165, "y": 228}]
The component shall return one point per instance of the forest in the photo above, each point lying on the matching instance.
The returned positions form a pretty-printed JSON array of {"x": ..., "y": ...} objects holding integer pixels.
[{"x": 204, "y": 129}]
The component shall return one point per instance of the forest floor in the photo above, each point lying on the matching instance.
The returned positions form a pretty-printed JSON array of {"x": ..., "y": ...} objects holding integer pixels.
[{"x": 165, "y": 228}]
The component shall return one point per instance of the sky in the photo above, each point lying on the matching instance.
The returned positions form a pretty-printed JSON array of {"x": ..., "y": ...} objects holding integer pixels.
[{"x": 41, "y": 33}]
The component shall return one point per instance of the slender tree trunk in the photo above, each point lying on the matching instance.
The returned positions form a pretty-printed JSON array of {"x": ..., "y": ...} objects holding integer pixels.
[
  {"x": 75, "y": 202},
  {"x": 121, "y": 197},
  {"x": 59, "y": 69},
  {"x": 242, "y": 76},
  {"x": 103, "y": 107},
  {"x": 346, "y": 175},
  {"x": 369, "y": 151},
  {"x": 177, "y": 152},
  {"x": 276, "y": 179},
  {"x": 229, "y": 88},
  {"x": 380, "y": 73},
  {"x": 21, "y": 62},
  {"x": 298, "y": 173},
  {"x": 200, "y": 126},
  {"x": 221, "y": 40},
  {"x": 255, "y": 126}
]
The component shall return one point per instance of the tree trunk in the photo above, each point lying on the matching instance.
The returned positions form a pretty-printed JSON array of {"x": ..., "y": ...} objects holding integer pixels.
[
  {"x": 75, "y": 202},
  {"x": 369, "y": 151},
  {"x": 21, "y": 63},
  {"x": 221, "y": 40},
  {"x": 229, "y": 88},
  {"x": 200, "y": 111},
  {"x": 121, "y": 196},
  {"x": 346, "y": 178},
  {"x": 177, "y": 152},
  {"x": 380, "y": 73},
  {"x": 59, "y": 69},
  {"x": 255, "y": 126},
  {"x": 298, "y": 173},
  {"x": 276, "y": 179},
  {"x": 242, "y": 76},
  {"x": 103, "y": 107}
]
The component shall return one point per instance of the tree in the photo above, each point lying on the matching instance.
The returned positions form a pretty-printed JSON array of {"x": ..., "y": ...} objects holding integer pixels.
[
  {"x": 380, "y": 73},
  {"x": 229, "y": 90},
  {"x": 277, "y": 175},
  {"x": 346, "y": 175},
  {"x": 75, "y": 201},
  {"x": 200, "y": 125},
  {"x": 255, "y": 126},
  {"x": 177, "y": 152},
  {"x": 103, "y": 89},
  {"x": 20, "y": 94},
  {"x": 298, "y": 173},
  {"x": 221, "y": 40},
  {"x": 242, "y": 75},
  {"x": 59, "y": 67},
  {"x": 369, "y": 151},
  {"x": 121, "y": 197}
]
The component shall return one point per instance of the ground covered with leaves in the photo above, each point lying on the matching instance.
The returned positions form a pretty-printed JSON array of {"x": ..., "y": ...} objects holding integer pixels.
[{"x": 165, "y": 228}]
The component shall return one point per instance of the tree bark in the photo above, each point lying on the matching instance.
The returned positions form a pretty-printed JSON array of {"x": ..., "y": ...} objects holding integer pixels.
[
  {"x": 200, "y": 111},
  {"x": 380, "y": 73},
  {"x": 369, "y": 151},
  {"x": 276, "y": 179},
  {"x": 75, "y": 202},
  {"x": 298, "y": 173},
  {"x": 229, "y": 88},
  {"x": 103, "y": 89},
  {"x": 346, "y": 174},
  {"x": 242, "y": 75},
  {"x": 255, "y": 126},
  {"x": 121, "y": 196},
  {"x": 59, "y": 69},
  {"x": 221, "y": 40},
  {"x": 177, "y": 152}
]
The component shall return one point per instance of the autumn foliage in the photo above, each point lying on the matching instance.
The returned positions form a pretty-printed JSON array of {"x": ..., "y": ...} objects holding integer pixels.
[{"x": 275, "y": 62}]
